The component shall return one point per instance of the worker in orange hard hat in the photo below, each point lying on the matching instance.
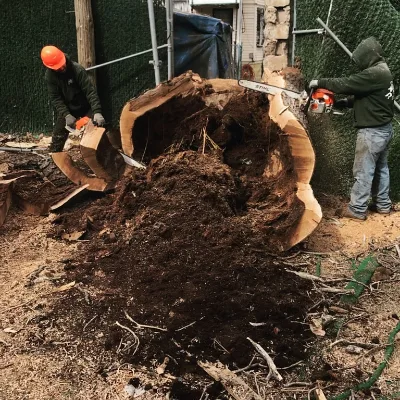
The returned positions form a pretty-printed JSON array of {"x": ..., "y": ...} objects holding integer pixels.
[{"x": 71, "y": 92}]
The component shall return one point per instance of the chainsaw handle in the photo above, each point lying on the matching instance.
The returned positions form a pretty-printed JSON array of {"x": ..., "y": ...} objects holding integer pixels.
[
  {"x": 307, "y": 106},
  {"x": 69, "y": 129}
]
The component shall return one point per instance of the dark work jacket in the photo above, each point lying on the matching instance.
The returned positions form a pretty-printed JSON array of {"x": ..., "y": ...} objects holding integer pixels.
[
  {"x": 72, "y": 92},
  {"x": 372, "y": 88}
]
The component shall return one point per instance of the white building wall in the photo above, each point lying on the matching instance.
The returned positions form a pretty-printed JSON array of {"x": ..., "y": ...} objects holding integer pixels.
[
  {"x": 249, "y": 35},
  {"x": 182, "y": 6}
]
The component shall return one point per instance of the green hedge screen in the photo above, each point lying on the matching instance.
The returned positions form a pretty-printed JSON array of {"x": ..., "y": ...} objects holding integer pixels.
[
  {"x": 319, "y": 56},
  {"x": 121, "y": 28}
]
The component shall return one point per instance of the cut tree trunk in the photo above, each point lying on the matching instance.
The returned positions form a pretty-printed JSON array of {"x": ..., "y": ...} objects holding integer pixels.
[
  {"x": 5, "y": 198},
  {"x": 85, "y": 35},
  {"x": 303, "y": 158},
  {"x": 192, "y": 107}
]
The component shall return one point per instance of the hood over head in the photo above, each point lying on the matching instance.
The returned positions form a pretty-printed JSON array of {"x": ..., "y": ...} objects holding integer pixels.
[{"x": 368, "y": 53}]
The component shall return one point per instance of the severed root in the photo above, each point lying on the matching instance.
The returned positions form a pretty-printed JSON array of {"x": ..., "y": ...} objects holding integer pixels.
[
  {"x": 305, "y": 275},
  {"x": 233, "y": 384},
  {"x": 273, "y": 371},
  {"x": 320, "y": 394}
]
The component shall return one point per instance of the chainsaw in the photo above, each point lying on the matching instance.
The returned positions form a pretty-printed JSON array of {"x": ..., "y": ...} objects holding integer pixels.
[
  {"x": 79, "y": 130},
  {"x": 319, "y": 101}
]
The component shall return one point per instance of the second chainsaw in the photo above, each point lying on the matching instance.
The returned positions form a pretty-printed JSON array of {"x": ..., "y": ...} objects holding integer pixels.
[{"x": 319, "y": 101}]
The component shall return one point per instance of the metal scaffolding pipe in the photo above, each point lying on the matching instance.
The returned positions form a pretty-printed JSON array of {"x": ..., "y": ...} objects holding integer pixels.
[
  {"x": 155, "y": 61},
  {"x": 334, "y": 37},
  {"x": 170, "y": 37},
  {"x": 305, "y": 31},
  {"x": 343, "y": 46},
  {"x": 125, "y": 58}
]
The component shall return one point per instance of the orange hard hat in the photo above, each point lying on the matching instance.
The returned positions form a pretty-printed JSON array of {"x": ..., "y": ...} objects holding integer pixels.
[{"x": 52, "y": 57}]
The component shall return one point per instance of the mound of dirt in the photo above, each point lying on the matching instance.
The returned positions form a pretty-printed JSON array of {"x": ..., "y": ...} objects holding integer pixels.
[
  {"x": 179, "y": 250},
  {"x": 185, "y": 248}
]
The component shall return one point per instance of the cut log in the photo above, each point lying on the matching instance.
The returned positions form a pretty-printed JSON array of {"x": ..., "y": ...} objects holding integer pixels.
[
  {"x": 303, "y": 159},
  {"x": 6, "y": 188},
  {"x": 5, "y": 198},
  {"x": 234, "y": 385},
  {"x": 98, "y": 153},
  {"x": 65, "y": 164}
]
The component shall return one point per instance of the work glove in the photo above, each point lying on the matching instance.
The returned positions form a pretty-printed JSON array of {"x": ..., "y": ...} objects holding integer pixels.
[
  {"x": 98, "y": 119},
  {"x": 313, "y": 84},
  {"x": 341, "y": 104},
  {"x": 70, "y": 121}
]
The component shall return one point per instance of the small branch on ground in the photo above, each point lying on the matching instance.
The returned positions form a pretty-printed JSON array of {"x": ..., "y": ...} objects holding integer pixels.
[
  {"x": 141, "y": 326},
  {"x": 186, "y": 326},
  {"x": 345, "y": 342},
  {"x": 336, "y": 290},
  {"x": 291, "y": 384},
  {"x": 87, "y": 323},
  {"x": 305, "y": 275},
  {"x": 291, "y": 366},
  {"x": 135, "y": 337},
  {"x": 272, "y": 367}
]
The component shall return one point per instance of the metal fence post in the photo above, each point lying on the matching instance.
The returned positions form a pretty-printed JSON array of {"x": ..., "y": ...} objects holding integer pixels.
[
  {"x": 170, "y": 37},
  {"x": 155, "y": 61}
]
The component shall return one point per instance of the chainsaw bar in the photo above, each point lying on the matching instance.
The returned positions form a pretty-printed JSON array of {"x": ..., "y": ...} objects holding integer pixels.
[
  {"x": 269, "y": 89},
  {"x": 130, "y": 161}
]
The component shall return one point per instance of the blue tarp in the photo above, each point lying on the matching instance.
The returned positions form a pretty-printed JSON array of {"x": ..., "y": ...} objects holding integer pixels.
[{"x": 202, "y": 44}]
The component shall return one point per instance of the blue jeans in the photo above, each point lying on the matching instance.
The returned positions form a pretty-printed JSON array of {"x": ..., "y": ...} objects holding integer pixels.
[{"x": 370, "y": 169}]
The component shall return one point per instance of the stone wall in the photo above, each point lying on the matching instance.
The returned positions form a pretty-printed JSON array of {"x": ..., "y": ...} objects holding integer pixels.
[{"x": 276, "y": 32}]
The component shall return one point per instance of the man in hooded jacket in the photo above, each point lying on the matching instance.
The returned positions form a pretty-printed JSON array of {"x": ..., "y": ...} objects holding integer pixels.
[
  {"x": 71, "y": 93},
  {"x": 372, "y": 100}
]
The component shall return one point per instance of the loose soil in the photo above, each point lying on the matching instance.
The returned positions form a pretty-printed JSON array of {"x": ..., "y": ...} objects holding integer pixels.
[
  {"x": 188, "y": 250},
  {"x": 185, "y": 248}
]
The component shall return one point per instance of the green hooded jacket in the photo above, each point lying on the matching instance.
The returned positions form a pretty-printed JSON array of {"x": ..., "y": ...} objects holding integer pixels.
[
  {"x": 72, "y": 92},
  {"x": 372, "y": 88}
]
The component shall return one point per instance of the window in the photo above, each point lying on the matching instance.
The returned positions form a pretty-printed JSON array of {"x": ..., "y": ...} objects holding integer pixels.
[
  {"x": 260, "y": 27},
  {"x": 224, "y": 14}
]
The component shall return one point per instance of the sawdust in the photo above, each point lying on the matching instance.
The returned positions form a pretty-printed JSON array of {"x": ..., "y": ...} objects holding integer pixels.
[{"x": 351, "y": 236}]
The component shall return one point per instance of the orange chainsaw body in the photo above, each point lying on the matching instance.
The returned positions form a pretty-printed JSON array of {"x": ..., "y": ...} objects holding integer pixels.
[{"x": 322, "y": 101}]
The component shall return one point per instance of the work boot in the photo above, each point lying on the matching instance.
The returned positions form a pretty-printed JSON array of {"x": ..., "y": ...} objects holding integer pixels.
[
  {"x": 348, "y": 213},
  {"x": 374, "y": 208}
]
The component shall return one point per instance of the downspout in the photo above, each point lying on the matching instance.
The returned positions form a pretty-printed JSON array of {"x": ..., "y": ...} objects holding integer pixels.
[
  {"x": 155, "y": 60},
  {"x": 239, "y": 40},
  {"x": 170, "y": 37},
  {"x": 294, "y": 29},
  {"x": 236, "y": 37}
]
